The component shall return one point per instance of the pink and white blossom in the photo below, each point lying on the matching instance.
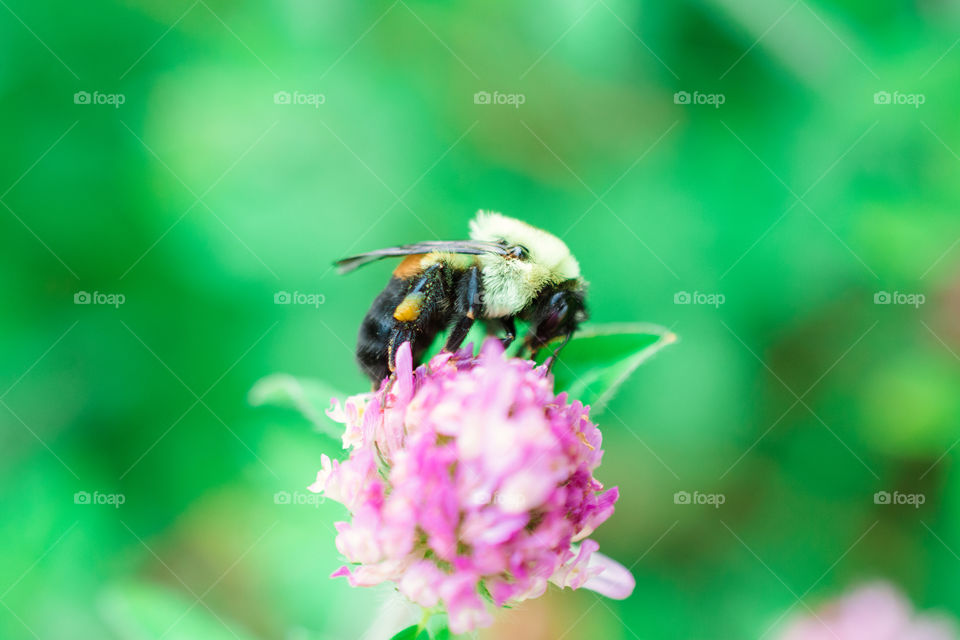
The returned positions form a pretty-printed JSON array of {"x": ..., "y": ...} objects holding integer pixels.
[
  {"x": 875, "y": 611},
  {"x": 468, "y": 478}
]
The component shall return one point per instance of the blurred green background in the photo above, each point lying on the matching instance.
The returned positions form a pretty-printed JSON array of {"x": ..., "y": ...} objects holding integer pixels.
[{"x": 204, "y": 194}]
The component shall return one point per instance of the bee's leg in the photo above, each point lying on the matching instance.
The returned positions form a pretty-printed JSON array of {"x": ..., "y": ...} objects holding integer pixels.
[
  {"x": 416, "y": 316},
  {"x": 509, "y": 331},
  {"x": 531, "y": 347},
  {"x": 398, "y": 336},
  {"x": 466, "y": 307},
  {"x": 528, "y": 348},
  {"x": 552, "y": 360}
]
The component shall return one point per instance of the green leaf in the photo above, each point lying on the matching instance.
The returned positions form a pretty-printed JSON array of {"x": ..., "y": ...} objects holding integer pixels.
[
  {"x": 309, "y": 397},
  {"x": 600, "y": 358},
  {"x": 413, "y": 632}
]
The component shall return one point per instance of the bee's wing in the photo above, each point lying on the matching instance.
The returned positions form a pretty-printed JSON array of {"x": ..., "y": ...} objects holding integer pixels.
[{"x": 472, "y": 247}]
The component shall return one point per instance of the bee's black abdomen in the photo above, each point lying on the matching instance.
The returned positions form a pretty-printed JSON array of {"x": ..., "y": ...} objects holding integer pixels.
[
  {"x": 373, "y": 342},
  {"x": 410, "y": 309}
]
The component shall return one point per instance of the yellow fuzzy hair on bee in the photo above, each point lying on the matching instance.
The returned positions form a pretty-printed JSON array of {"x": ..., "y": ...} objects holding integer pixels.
[{"x": 511, "y": 284}]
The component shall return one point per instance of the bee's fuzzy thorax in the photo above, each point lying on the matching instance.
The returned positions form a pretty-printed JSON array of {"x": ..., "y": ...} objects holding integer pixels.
[
  {"x": 546, "y": 249},
  {"x": 511, "y": 284}
]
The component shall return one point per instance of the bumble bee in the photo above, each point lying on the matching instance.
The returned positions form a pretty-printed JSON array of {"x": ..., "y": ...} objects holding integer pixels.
[{"x": 507, "y": 270}]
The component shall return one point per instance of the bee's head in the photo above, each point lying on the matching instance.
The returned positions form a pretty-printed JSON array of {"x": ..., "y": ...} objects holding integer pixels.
[{"x": 556, "y": 312}]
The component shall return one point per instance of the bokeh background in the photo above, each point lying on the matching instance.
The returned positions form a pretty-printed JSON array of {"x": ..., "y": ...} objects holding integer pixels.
[{"x": 783, "y": 187}]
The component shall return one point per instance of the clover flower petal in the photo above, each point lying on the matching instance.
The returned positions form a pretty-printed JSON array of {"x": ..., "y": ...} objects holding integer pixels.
[{"x": 469, "y": 478}]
